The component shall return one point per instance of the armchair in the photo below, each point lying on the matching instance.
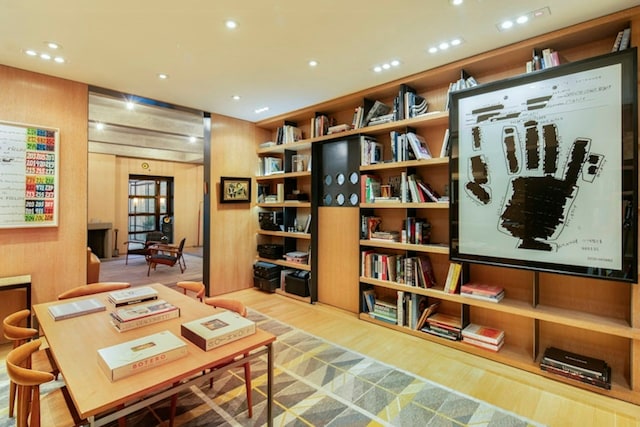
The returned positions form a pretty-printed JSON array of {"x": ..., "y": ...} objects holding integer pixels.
[
  {"x": 140, "y": 247},
  {"x": 167, "y": 255}
]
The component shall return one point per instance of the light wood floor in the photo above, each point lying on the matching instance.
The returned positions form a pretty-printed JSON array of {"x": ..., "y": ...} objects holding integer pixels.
[{"x": 540, "y": 399}]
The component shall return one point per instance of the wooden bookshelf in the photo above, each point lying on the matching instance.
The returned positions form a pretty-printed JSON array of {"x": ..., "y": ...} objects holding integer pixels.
[{"x": 592, "y": 317}]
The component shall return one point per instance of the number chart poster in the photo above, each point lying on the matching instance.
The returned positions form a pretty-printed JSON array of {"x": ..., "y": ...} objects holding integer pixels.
[
  {"x": 28, "y": 176},
  {"x": 540, "y": 171}
]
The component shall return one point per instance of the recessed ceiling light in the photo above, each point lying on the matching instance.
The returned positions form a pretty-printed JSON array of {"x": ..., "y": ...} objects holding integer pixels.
[
  {"x": 231, "y": 24},
  {"x": 313, "y": 63},
  {"x": 31, "y": 52},
  {"x": 236, "y": 97},
  {"x": 377, "y": 68},
  {"x": 163, "y": 76},
  {"x": 45, "y": 56},
  {"x": 443, "y": 46},
  {"x": 522, "y": 19},
  {"x": 395, "y": 63},
  {"x": 457, "y": 2},
  {"x": 433, "y": 49},
  {"x": 261, "y": 110},
  {"x": 506, "y": 25},
  {"x": 456, "y": 42},
  {"x": 53, "y": 45},
  {"x": 59, "y": 60},
  {"x": 99, "y": 126}
]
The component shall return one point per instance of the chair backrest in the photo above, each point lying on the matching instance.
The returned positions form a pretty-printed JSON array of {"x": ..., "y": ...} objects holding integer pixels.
[
  {"x": 155, "y": 237},
  {"x": 181, "y": 246},
  {"x": 12, "y": 329},
  {"x": 228, "y": 304},
  {"x": 93, "y": 288},
  {"x": 29, "y": 379},
  {"x": 196, "y": 287}
]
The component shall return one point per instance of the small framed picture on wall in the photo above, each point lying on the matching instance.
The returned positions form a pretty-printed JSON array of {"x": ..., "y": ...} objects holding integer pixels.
[{"x": 235, "y": 190}]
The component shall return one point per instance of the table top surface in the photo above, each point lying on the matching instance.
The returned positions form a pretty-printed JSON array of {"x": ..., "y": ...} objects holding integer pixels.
[{"x": 75, "y": 342}]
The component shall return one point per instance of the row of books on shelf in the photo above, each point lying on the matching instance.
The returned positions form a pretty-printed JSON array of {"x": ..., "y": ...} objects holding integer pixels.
[
  {"x": 288, "y": 133},
  {"x": 577, "y": 367},
  {"x": 414, "y": 311},
  {"x": 542, "y": 59},
  {"x": 408, "y": 146},
  {"x": 408, "y": 104},
  {"x": 409, "y": 270},
  {"x": 414, "y": 230},
  {"x": 464, "y": 82},
  {"x": 405, "y": 188}
]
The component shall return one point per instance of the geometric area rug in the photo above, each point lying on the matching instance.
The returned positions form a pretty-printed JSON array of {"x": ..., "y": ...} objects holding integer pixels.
[{"x": 317, "y": 383}]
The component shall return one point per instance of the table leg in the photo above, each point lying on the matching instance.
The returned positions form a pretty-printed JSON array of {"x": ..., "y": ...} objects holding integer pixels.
[{"x": 270, "y": 385}]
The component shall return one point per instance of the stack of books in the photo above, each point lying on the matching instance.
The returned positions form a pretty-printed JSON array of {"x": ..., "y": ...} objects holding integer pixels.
[
  {"x": 577, "y": 367},
  {"x": 136, "y": 316},
  {"x": 385, "y": 311},
  {"x": 492, "y": 293},
  {"x": 444, "y": 325},
  {"x": 483, "y": 336},
  {"x": 132, "y": 296}
]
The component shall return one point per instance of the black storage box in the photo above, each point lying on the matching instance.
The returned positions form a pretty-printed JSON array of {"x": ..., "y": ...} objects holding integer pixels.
[
  {"x": 297, "y": 283},
  {"x": 270, "y": 251},
  {"x": 266, "y": 270},
  {"x": 268, "y": 285}
]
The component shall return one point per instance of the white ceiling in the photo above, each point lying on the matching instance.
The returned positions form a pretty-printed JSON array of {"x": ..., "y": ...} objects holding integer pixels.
[{"x": 123, "y": 44}]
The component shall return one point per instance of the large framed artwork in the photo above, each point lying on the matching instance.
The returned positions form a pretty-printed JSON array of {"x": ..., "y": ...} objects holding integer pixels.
[
  {"x": 29, "y": 184},
  {"x": 544, "y": 170}
]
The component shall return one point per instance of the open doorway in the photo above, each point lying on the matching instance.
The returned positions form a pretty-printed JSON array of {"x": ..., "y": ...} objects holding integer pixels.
[{"x": 150, "y": 206}]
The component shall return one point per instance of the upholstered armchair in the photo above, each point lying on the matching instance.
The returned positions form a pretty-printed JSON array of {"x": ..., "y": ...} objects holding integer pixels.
[
  {"x": 93, "y": 267},
  {"x": 141, "y": 247}
]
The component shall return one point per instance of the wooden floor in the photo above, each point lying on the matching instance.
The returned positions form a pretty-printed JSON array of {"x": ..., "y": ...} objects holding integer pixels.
[{"x": 540, "y": 399}]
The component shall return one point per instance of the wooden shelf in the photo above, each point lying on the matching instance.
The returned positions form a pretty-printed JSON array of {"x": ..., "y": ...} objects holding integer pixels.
[
  {"x": 294, "y": 296},
  {"x": 284, "y": 263},
  {"x": 306, "y": 236},
  {"x": 408, "y": 205},
  {"x": 280, "y": 176},
  {"x": 287, "y": 204},
  {"x": 434, "y": 249},
  {"x": 437, "y": 161}
]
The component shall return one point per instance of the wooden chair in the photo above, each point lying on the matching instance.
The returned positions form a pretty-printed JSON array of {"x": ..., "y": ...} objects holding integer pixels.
[
  {"x": 167, "y": 255},
  {"x": 93, "y": 288},
  {"x": 58, "y": 413},
  {"x": 42, "y": 359},
  {"x": 93, "y": 267},
  {"x": 241, "y": 309},
  {"x": 196, "y": 287},
  {"x": 141, "y": 247}
]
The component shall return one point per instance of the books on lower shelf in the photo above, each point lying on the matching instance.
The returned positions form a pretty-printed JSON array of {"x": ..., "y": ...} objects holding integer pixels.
[
  {"x": 132, "y": 295},
  {"x": 139, "y": 315},
  {"x": 77, "y": 308},
  {"x": 482, "y": 291},
  {"x": 444, "y": 325},
  {"x": 218, "y": 329},
  {"x": 483, "y": 336},
  {"x": 128, "y": 358},
  {"x": 588, "y": 370},
  {"x": 453, "y": 278}
]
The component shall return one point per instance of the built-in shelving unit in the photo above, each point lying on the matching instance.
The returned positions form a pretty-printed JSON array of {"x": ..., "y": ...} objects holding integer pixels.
[{"x": 592, "y": 317}]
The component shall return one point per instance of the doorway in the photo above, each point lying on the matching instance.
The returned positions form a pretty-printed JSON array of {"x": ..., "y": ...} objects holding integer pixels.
[{"x": 150, "y": 206}]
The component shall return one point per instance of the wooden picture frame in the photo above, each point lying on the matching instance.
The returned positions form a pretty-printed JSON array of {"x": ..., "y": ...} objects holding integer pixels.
[{"x": 235, "y": 190}]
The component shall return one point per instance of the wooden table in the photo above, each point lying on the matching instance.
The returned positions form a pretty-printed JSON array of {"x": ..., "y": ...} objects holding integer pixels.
[{"x": 75, "y": 343}]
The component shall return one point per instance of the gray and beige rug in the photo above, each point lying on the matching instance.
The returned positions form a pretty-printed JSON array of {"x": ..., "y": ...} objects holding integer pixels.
[{"x": 318, "y": 383}]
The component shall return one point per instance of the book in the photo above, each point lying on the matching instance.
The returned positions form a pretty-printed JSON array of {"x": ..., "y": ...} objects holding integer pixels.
[
  {"x": 481, "y": 289},
  {"x": 141, "y": 354},
  {"x": 483, "y": 333},
  {"x": 496, "y": 298},
  {"x": 218, "y": 329},
  {"x": 626, "y": 38},
  {"x": 585, "y": 365},
  {"x": 139, "y": 311},
  {"x": 369, "y": 188},
  {"x": 444, "y": 151},
  {"x": 453, "y": 277},
  {"x": 425, "y": 314},
  {"x": 377, "y": 109},
  {"x": 419, "y": 146},
  {"x": 132, "y": 295},
  {"x": 75, "y": 308},
  {"x": 122, "y": 326},
  {"x": 483, "y": 344}
]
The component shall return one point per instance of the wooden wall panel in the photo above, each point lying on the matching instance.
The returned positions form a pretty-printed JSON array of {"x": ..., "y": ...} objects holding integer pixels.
[
  {"x": 233, "y": 225},
  {"x": 55, "y": 257},
  {"x": 338, "y": 257}
]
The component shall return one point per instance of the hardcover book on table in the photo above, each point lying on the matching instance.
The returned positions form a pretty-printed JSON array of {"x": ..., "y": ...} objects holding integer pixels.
[
  {"x": 140, "y": 315},
  {"x": 128, "y": 358},
  {"x": 132, "y": 295},
  {"x": 218, "y": 329},
  {"x": 75, "y": 308}
]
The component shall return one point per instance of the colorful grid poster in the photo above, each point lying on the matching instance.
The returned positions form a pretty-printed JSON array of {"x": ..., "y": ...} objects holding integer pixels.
[{"x": 28, "y": 176}]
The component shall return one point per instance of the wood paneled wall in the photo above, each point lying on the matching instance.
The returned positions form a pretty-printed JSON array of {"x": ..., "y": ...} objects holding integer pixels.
[
  {"x": 55, "y": 257},
  {"x": 233, "y": 225}
]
